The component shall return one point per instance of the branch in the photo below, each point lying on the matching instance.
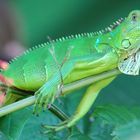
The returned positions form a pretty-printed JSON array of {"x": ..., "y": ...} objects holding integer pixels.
[{"x": 68, "y": 87}]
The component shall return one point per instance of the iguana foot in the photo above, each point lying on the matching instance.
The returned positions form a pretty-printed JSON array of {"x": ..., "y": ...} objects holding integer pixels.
[
  {"x": 45, "y": 97},
  {"x": 55, "y": 128}
]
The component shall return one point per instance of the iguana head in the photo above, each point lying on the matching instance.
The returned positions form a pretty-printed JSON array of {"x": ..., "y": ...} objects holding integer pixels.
[{"x": 129, "y": 44}]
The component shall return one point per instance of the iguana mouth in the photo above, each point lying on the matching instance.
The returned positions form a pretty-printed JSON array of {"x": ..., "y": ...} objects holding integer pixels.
[{"x": 131, "y": 64}]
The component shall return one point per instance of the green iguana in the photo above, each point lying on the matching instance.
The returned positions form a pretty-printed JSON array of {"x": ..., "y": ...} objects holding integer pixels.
[{"x": 44, "y": 68}]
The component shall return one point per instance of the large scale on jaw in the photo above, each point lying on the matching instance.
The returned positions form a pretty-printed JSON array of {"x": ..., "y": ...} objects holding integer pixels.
[{"x": 126, "y": 43}]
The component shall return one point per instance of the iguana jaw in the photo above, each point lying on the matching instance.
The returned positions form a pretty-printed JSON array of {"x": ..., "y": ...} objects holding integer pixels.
[{"x": 131, "y": 64}]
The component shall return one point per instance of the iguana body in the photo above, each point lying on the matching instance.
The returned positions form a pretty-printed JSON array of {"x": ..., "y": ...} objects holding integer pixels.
[
  {"x": 36, "y": 67},
  {"x": 41, "y": 69}
]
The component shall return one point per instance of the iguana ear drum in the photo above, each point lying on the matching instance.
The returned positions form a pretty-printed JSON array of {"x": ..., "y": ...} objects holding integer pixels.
[
  {"x": 130, "y": 65},
  {"x": 126, "y": 44}
]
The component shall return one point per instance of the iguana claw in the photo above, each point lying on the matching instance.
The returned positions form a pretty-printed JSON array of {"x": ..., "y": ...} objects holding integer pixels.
[{"x": 45, "y": 96}]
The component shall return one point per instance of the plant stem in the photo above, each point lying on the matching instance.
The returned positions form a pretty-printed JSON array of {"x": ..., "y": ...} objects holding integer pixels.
[{"x": 68, "y": 87}]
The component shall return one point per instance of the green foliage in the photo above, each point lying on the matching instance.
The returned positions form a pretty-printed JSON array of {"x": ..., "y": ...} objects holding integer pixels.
[
  {"x": 112, "y": 122},
  {"x": 130, "y": 131},
  {"x": 108, "y": 122},
  {"x": 115, "y": 123},
  {"x": 11, "y": 126}
]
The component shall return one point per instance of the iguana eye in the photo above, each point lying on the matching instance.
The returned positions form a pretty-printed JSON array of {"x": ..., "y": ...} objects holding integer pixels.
[
  {"x": 126, "y": 44},
  {"x": 134, "y": 17}
]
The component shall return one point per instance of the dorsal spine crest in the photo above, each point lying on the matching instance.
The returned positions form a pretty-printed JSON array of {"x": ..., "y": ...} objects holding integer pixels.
[{"x": 106, "y": 30}]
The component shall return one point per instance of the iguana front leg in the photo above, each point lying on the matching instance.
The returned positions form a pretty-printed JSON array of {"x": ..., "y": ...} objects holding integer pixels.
[
  {"x": 85, "y": 104},
  {"x": 73, "y": 70},
  {"x": 47, "y": 93}
]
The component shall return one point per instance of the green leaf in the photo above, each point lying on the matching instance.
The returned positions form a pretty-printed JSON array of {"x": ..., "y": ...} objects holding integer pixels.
[
  {"x": 12, "y": 125},
  {"x": 115, "y": 122},
  {"x": 129, "y": 131}
]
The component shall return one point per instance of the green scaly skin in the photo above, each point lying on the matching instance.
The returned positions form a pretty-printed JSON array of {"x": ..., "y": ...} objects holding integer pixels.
[{"x": 82, "y": 55}]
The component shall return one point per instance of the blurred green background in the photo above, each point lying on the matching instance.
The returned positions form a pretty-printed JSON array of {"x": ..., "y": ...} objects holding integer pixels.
[
  {"x": 38, "y": 19},
  {"x": 56, "y": 18}
]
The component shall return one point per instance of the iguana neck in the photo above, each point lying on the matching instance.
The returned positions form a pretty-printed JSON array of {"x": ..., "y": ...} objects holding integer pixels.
[
  {"x": 112, "y": 36},
  {"x": 112, "y": 39}
]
